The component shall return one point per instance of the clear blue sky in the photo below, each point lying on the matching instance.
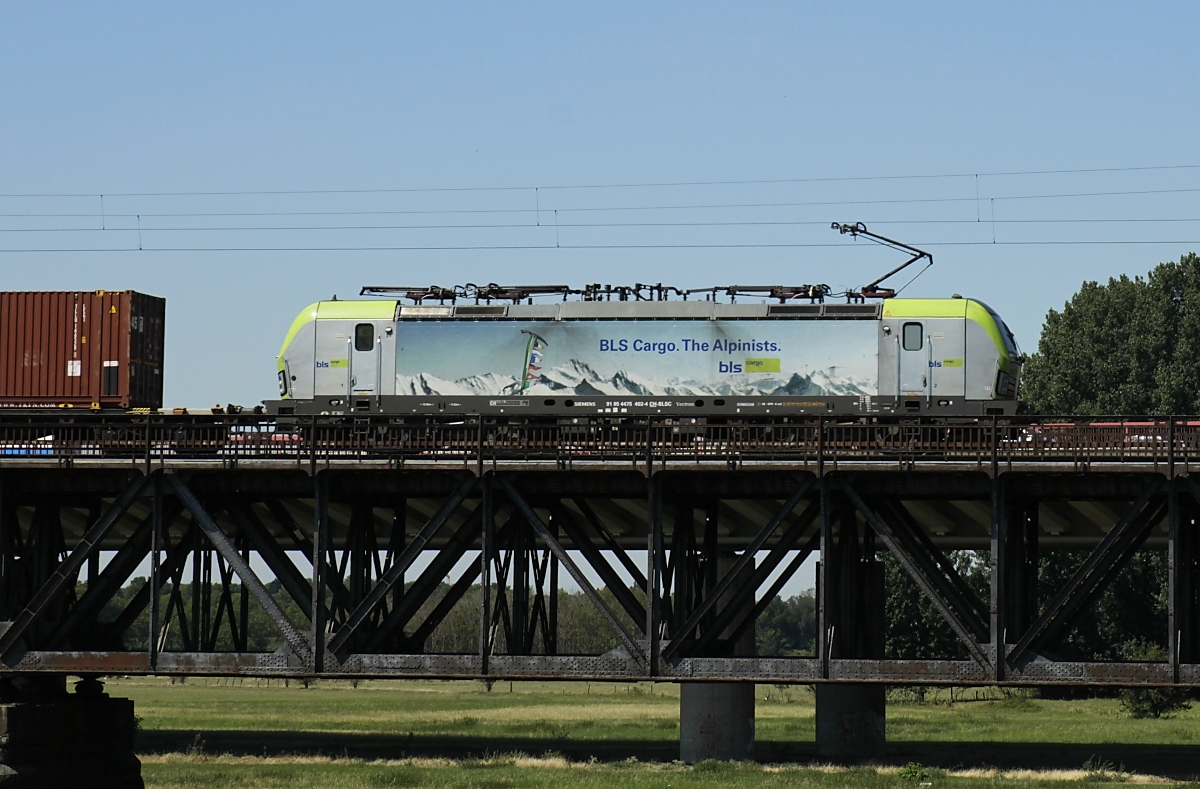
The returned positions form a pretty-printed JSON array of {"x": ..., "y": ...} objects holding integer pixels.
[{"x": 126, "y": 99}]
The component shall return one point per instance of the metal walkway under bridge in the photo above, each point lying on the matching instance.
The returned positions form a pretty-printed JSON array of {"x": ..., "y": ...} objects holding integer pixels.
[{"x": 677, "y": 533}]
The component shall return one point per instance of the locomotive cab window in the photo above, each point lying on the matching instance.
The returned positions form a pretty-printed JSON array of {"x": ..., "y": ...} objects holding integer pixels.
[
  {"x": 911, "y": 337},
  {"x": 364, "y": 336}
]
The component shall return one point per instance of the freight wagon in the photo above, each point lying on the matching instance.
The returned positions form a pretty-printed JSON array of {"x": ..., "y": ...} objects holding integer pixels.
[
  {"x": 81, "y": 349},
  {"x": 688, "y": 358}
]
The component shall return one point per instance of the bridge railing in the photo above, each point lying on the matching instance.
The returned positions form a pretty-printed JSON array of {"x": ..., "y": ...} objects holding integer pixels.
[{"x": 232, "y": 438}]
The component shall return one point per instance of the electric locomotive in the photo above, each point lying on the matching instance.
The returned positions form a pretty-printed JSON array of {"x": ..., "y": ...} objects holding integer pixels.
[{"x": 604, "y": 351}]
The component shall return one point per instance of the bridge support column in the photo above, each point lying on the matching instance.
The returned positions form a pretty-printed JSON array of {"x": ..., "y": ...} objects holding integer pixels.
[
  {"x": 716, "y": 719},
  {"x": 53, "y": 738},
  {"x": 851, "y": 720},
  {"x": 851, "y": 717}
]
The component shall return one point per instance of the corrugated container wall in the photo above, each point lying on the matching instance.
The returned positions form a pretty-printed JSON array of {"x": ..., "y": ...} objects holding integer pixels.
[{"x": 81, "y": 348}]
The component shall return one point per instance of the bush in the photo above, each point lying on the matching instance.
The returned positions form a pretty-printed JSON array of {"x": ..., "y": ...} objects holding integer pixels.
[{"x": 1151, "y": 702}]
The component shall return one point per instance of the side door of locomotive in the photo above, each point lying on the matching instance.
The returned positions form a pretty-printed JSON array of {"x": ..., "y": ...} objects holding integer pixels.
[
  {"x": 365, "y": 364},
  {"x": 946, "y": 357},
  {"x": 912, "y": 349},
  {"x": 332, "y": 358}
]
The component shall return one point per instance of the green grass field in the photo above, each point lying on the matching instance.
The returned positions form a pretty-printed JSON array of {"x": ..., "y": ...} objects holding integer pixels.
[{"x": 383, "y": 733}]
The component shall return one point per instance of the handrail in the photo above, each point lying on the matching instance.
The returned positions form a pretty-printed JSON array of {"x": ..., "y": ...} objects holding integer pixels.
[{"x": 1171, "y": 443}]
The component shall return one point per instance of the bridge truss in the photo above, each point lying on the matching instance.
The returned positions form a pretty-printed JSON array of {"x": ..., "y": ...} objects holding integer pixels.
[{"x": 359, "y": 537}]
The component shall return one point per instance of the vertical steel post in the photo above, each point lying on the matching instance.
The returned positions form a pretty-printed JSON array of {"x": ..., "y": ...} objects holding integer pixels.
[
  {"x": 654, "y": 561},
  {"x": 1174, "y": 581},
  {"x": 999, "y": 576},
  {"x": 320, "y": 545},
  {"x": 487, "y": 539},
  {"x": 824, "y": 578},
  {"x": 156, "y": 535},
  {"x": 6, "y": 543}
]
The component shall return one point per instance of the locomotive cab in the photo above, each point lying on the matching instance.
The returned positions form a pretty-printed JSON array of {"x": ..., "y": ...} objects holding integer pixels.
[{"x": 936, "y": 352}]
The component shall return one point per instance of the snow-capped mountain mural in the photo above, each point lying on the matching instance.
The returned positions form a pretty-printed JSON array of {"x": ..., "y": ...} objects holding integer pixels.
[
  {"x": 637, "y": 358},
  {"x": 579, "y": 379}
]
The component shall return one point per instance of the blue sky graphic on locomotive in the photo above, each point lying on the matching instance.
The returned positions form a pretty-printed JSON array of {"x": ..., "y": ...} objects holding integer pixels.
[{"x": 669, "y": 358}]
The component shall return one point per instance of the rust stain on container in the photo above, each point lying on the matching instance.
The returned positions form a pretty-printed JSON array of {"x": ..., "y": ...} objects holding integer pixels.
[{"x": 81, "y": 348}]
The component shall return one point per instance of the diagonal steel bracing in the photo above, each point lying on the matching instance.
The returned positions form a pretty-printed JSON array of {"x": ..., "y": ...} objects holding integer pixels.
[
  {"x": 965, "y": 632},
  {"x": 384, "y": 585},
  {"x": 639, "y": 577},
  {"x": 425, "y": 585},
  {"x": 250, "y": 581},
  {"x": 597, "y": 562},
  {"x": 271, "y": 552},
  {"x": 63, "y": 577},
  {"x": 936, "y": 568},
  {"x": 556, "y": 548},
  {"x": 101, "y": 588},
  {"x": 736, "y": 608},
  {"x": 738, "y": 567},
  {"x": 170, "y": 568},
  {"x": 1130, "y": 532}
]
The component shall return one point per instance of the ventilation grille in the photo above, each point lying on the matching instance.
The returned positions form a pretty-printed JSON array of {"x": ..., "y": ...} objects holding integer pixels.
[{"x": 481, "y": 311}]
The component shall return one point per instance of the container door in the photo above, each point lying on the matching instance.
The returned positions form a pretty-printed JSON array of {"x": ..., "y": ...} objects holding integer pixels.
[
  {"x": 914, "y": 359},
  {"x": 364, "y": 360}
]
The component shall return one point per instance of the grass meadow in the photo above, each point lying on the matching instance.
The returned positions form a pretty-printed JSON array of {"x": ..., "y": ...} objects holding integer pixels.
[{"x": 251, "y": 734}]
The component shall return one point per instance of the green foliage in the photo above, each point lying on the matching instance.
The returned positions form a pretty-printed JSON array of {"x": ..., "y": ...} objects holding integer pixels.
[
  {"x": 788, "y": 626},
  {"x": 1132, "y": 607},
  {"x": 913, "y": 771},
  {"x": 1151, "y": 702},
  {"x": 1131, "y": 346}
]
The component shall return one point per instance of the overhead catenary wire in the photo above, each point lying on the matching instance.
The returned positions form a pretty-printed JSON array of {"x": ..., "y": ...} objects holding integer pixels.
[
  {"x": 629, "y": 185},
  {"x": 531, "y": 247}
]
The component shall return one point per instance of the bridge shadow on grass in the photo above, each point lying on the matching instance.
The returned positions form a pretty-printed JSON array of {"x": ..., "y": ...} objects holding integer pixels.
[{"x": 1173, "y": 761}]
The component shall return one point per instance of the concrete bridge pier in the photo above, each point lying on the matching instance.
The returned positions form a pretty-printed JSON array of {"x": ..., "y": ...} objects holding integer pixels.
[
  {"x": 851, "y": 720},
  {"x": 50, "y": 738},
  {"x": 851, "y": 717},
  {"x": 716, "y": 719}
]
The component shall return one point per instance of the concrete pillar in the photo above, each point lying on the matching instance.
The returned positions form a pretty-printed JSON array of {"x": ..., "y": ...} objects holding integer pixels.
[
  {"x": 716, "y": 719},
  {"x": 851, "y": 720},
  {"x": 82, "y": 740}
]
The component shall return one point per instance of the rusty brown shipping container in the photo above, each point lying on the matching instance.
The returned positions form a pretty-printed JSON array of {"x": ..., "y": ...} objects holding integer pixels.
[{"x": 84, "y": 349}]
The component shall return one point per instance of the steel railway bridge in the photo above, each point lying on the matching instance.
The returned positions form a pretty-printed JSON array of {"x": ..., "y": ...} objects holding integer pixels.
[{"x": 371, "y": 531}]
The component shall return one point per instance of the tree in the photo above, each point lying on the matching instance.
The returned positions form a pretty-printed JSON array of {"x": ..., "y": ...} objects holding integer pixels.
[
  {"x": 788, "y": 626},
  {"x": 1131, "y": 346}
]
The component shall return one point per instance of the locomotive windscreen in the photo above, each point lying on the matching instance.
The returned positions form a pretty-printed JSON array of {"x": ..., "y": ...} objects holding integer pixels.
[{"x": 625, "y": 357}]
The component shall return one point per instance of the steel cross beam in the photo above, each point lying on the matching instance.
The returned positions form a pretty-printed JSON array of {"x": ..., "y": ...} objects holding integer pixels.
[
  {"x": 1129, "y": 532},
  {"x": 295, "y": 639},
  {"x": 556, "y": 548},
  {"x": 948, "y": 612},
  {"x": 63, "y": 576},
  {"x": 389, "y": 579},
  {"x": 742, "y": 562}
]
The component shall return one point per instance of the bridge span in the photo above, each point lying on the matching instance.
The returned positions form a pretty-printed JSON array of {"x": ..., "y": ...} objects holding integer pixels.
[{"x": 358, "y": 537}]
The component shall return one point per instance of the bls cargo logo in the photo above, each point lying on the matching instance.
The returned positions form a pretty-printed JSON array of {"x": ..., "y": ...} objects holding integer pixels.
[
  {"x": 937, "y": 363},
  {"x": 750, "y": 366},
  {"x": 325, "y": 365}
]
